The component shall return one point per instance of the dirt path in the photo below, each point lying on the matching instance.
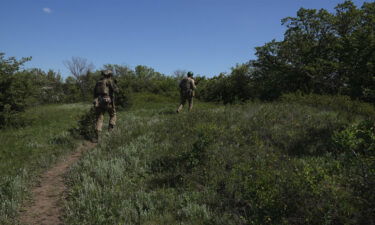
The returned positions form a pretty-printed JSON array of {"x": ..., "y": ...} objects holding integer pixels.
[{"x": 46, "y": 208}]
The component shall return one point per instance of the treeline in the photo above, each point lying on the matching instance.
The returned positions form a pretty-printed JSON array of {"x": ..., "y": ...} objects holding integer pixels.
[
  {"x": 321, "y": 53},
  {"x": 23, "y": 88}
]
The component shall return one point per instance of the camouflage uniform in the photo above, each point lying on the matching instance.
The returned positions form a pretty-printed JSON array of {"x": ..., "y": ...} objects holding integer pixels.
[
  {"x": 104, "y": 101},
  {"x": 187, "y": 87}
]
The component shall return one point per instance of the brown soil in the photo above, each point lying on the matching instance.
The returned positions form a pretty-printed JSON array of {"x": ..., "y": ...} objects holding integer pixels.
[{"x": 46, "y": 207}]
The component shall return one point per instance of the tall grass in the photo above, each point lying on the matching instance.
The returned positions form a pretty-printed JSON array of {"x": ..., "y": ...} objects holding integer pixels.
[
  {"x": 26, "y": 151},
  {"x": 340, "y": 103},
  {"x": 259, "y": 163}
]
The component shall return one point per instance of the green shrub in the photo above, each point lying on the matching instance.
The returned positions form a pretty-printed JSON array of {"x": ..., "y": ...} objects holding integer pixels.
[
  {"x": 10, "y": 118},
  {"x": 339, "y": 103},
  {"x": 26, "y": 152},
  {"x": 255, "y": 163},
  {"x": 124, "y": 99},
  {"x": 356, "y": 145},
  {"x": 17, "y": 92},
  {"x": 86, "y": 125},
  {"x": 357, "y": 140}
]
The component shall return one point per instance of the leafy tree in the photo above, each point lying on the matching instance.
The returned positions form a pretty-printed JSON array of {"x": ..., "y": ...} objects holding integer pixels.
[
  {"x": 179, "y": 74},
  {"x": 322, "y": 52},
  {"x": 15, "y": 90},
  {"x": 71, "y": 90},
  {"x": 81, "y": 69},
  {"x": 51, "y": 88}
]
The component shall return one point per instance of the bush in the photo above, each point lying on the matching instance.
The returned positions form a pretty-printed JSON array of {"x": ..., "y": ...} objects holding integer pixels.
[
  {"x": 251, "y": 164},
  {"x": 246, "y": 165},
  {"x": 10, "y": 118},
  {"x": 86, "y": 125},
  {"x": 356, "y": 145},
  {"x": 17, "y": 91},
  {"x": 123, "y": 99},
  {"x": 357, "y": 140},
  {"x": 332, "y": 102}
]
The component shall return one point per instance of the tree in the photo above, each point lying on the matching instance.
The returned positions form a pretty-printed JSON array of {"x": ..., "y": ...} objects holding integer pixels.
[
  {"x": 81, "y": 70},
  {"x": 179, "y": 74},
  {"x": 322, "y": 52},
  {"x": 71, "y": 90},
  {"x": 17, "y": 90}
]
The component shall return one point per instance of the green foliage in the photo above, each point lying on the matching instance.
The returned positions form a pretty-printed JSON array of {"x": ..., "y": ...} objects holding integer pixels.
[
  {"x": 16, "y": 91},
  {"x": 26, "y": 152},
  {"x": 123, "y": 99},
  {"x": 258, "y": 163},
  {"x": 24, "y": 88},
  {"x": 50, "y": 87},
  {"x": 212, "y": 89},
  {"x": 356, "y": 144},
  {"x": 21, "y": 89},
  {"x": 322, "y": 52},
  {"x": 86, "y": 125},
  {"x": 332, "y": 102},
  {"x": 358, "y": 139},
  {"x": 144, "y": 79},
  {"x": 71, "y": 90},
  {"x": 233, "y": 88}
]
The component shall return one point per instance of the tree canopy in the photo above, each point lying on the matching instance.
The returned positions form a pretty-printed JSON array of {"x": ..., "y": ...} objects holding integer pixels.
[{"x": 322, "y": 52}]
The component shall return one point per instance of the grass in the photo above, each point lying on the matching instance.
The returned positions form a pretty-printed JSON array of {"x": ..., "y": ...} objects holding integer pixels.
[
  {"x": 27, "y": 151},
  {"x": 303, "y": 160},
  {"x": 259, "y": 163}
]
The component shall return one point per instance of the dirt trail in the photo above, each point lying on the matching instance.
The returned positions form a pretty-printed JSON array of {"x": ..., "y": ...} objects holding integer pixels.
[{"x": 46, "y": 207}]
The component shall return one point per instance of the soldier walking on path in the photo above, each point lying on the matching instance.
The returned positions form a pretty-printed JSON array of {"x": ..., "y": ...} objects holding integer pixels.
[
  {"x": 187, "y": 87},
  {"x": 104, "y": 92}
]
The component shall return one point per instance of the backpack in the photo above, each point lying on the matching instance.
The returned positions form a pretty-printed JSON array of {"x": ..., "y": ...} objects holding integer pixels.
[
  {"x": 185, "y": 84},
  {"x": 101, "y": 87}
]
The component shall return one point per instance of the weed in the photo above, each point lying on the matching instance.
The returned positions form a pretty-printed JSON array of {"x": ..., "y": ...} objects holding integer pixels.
[
  {"x": 26, "y": 151},
  {"x": 257, "y": 163}
]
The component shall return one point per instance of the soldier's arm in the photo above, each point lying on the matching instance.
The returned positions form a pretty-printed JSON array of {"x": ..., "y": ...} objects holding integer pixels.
[{"x": 193, "y": 84}]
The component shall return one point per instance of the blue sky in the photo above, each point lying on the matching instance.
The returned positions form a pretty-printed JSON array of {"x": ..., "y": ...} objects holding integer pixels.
[{"x": 204, "y": 36}]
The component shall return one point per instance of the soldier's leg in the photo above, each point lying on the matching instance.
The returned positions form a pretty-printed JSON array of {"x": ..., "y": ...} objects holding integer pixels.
[
  {"x": 182, "y": 103},
  {"x": 112, "y": 118},
  {"x": 99, "y": 118},
  {"x": 99, "y": 112},
  {"x": 190, "y": 103}
]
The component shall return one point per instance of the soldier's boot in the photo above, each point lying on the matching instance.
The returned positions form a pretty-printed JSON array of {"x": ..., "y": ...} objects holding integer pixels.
[
  {"x": 179, "y": 108},
  {"x": 110, "y": 127}
]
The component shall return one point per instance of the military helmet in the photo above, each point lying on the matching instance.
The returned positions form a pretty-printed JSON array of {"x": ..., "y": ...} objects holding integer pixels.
[
  {"x": 190, "y": 74},
  {"x": 107, "y": 73}
]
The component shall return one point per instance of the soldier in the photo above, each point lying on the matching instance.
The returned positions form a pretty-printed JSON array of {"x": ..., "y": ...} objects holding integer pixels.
[
  {"x": 187, "y": 87},
  {"x": 104, "y": 102}
]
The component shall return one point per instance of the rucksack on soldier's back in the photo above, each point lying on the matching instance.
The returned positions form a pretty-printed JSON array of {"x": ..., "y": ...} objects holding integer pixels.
[
  {"x": 101, "y": 87},
  {"x": 185, "y": 84}
]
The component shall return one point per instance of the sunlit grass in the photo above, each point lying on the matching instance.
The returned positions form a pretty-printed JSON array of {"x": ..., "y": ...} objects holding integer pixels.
[
  {"x": 259, "y": 163},
  {"x": 26, "y": 151}
]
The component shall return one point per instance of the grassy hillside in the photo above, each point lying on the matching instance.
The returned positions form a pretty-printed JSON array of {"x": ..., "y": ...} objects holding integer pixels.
[
  {"x": 303, "y": 160},
  {"x": 27, "y": 151}
]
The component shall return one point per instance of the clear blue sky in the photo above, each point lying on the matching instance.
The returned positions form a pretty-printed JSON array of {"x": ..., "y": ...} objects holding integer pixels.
[{"x": 204, "y": 36}]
